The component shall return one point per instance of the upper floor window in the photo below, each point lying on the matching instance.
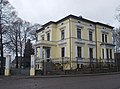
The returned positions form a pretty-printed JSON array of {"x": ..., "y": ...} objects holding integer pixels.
[
  {"x": 62, "y": 34},
  {"x": 42, "y": 37},
  {"x": 90, "y": 35},
  {"x": 48, "y": 36},
  {"x": 79, "y": 52},
  {"x": 78, "y": 33},
  {"x": 104, "y": 38}
]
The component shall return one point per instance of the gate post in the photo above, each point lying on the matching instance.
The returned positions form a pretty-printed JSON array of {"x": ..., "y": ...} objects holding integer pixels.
[
  {"x": 32, "y": 68},
  {"x": 7, "y": 65}
]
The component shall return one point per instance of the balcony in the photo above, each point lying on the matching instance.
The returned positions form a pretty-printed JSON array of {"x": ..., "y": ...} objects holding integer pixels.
[{"x": 46, "y": 43}]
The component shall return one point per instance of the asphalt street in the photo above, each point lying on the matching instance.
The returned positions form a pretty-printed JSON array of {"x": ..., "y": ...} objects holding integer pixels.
[{"x": 84, "y": 82}]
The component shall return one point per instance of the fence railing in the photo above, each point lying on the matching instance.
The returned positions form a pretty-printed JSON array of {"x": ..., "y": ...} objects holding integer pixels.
[{"x": 75, "y": 65}]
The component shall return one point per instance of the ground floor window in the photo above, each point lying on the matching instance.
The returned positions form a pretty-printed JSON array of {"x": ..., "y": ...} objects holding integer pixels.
[
  {"x": 79, "y": 52},
  {"x": 110, "y": 53},
  {"x": 48, "y": 52},
  {"x": 63, "y": 52},
  {"x": 91, "y": 53}
]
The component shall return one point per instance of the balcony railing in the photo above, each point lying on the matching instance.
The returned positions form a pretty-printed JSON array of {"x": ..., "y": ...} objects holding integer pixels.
[{"x": 45, "y": 42}]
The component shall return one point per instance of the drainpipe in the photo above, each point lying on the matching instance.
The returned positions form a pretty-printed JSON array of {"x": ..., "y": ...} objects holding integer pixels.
[
  {"x": 96, "y": 43},
  {"x": 70, "y": 42}
]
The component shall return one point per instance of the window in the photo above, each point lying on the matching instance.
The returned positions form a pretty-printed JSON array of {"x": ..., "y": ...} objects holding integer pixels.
[
  {"x": 79, "y": 52},
  {"x": 62, "y": 35},
  {"x": 90, "y": 35},
  {"x": 103, "y": 53},
  {"x": 78, "y": 33},
  {"x": 91, "y": 53},
  {"x": 107, "y": 53},
  {"x": 63, "y": 52},
  {"x": 104, "y": 38},
  {"x": 48, "y": 36},
  {"x": 48, "y": 52},
  {"x": 42, "y": 37},
  {"x": 110, "y": 53}
]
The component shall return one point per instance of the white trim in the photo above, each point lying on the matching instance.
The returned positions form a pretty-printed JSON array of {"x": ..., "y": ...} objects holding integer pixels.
[
  {"x": 105, "y": 31},
  {"x": 76, "y": 52},
  {"x": 82, "y": 52},
  {"x": 50, "y": 52},
  {"x": 88, "y": 52},
  {"x": 105, "y": 53},
  {"x": 44, "y": 51},
  {"x": 59, "y": 52},
  {"x": 65, "y": 52},
  {"x": 101, "y": 53},
  {"x": 94, "y": 53},
  {"x": 41, "y": 50}
]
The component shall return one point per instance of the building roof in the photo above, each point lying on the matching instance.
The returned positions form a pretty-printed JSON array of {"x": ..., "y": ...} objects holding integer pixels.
[{"x": 75, "y": 17}]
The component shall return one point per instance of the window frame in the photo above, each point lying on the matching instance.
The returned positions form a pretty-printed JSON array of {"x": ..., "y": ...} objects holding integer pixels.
[
  {"x": 62, "y": 34},
  {"x": 63, "y": 52},
  {"x": 42, "y": 37},
  {"x": 48, "y": 36},
  {"x": 110, "y": 53},
  {"x": 79, "y": 33},
  {"x": 79, "y": 52},
  {"x": 90, "y": 36},
  {"x": 91, "y": 53}
]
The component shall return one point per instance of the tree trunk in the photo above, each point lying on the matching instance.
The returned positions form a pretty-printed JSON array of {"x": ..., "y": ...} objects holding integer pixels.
[
  {"x": 16, "y": 51},
  {"x": 1, "y": 45}
]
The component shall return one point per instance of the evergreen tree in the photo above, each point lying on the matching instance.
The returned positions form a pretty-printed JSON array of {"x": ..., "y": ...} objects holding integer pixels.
[{"x": 27, "y": 53}]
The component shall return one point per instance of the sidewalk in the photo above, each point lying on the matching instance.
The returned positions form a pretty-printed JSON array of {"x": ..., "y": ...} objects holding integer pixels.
[{"x": 55, "y": 76}]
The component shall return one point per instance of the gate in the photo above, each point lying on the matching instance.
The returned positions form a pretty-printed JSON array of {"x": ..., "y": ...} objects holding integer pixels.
[{"x": 21, "y": 70}]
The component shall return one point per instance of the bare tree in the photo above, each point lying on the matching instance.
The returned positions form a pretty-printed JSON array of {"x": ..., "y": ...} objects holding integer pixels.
[
  {"x": 116, "y": 39},
  {"x": 7, "y": 13},
  {"x": 116, "y": 31},
  {"x": 32, "y": 32},
  {"x": 17, "y": 35},
  {"x": 14, "y": 31},
  {"x": 118, "y": 13}
]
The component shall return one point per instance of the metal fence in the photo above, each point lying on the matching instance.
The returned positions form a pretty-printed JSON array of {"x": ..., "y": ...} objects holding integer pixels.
[{"x": 66, "y": 65}]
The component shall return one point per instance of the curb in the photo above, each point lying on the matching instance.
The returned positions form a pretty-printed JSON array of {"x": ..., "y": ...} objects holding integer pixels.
[{"x": 56, "y": 76}]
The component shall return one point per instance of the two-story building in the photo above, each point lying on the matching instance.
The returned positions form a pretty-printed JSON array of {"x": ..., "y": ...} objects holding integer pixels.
[{"x": 75, "y": 41}]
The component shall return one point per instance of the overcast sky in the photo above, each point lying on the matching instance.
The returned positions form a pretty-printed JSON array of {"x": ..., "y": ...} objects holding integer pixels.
[{"x": 42, "y": 11}]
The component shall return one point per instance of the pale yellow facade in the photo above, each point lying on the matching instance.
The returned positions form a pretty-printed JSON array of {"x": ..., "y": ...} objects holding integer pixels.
[{"x": 71, "y": 49}]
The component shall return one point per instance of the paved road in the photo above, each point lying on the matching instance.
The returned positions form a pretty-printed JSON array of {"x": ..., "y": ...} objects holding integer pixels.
[{"x": 86, "y": 82}]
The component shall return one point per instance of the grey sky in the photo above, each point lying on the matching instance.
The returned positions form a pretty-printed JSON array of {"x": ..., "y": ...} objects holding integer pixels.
[{"x": 42, "y": 11}]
